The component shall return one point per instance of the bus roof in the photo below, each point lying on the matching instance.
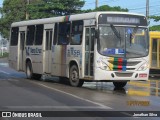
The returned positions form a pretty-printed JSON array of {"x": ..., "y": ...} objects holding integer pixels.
[{"x": 83, "y": 16}]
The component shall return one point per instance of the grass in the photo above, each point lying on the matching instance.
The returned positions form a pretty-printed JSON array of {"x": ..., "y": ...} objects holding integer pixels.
[{"x": 4, "y": 55}]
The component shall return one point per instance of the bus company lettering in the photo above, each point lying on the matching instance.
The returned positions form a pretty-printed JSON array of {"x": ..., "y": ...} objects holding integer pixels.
[
  {"x": 73, "y": 52},
  {"x": 33, "y": 51}
]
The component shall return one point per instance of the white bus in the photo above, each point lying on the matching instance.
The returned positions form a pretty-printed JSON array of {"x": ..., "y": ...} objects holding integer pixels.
[{"x": 97, "y": 46}]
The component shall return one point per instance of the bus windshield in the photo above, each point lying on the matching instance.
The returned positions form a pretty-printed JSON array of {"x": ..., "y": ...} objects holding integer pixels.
[{"x": 123, "y": 41}]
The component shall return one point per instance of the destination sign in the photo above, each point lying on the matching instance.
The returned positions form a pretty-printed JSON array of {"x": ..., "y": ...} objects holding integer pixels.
[{"x": 122, "y": 19}]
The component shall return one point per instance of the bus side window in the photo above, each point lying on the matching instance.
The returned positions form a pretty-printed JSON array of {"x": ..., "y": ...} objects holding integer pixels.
[
  {"x": 55, "y": 34},
  {"x": 30, "y": 35},
  {"x": 39, "y": 34},
  {"x": 77, "y": 32},
  {"x": 64, "y": 33},
  {"x": 14, "y": 36}
]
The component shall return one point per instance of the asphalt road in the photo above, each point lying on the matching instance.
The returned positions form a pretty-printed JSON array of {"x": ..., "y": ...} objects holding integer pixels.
[{"x": 20, "y": 94}]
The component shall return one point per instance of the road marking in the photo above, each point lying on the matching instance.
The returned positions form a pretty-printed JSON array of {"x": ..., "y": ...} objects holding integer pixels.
[
  {"x": 4, "y": 72},
  {"x": 55, "y": 107},
  {"x": 99, "y": 104}
]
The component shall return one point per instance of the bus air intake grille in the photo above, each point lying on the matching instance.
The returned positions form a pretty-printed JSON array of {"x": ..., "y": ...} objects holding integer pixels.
[
  {"x": 133, "y": 63},
  {"x": 118, "y": 74}
]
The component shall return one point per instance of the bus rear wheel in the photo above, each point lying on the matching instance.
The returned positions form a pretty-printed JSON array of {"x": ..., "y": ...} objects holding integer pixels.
[
  {"x": 119, "y": 84},
  {"x": 29, "y": 71},
  {"x": 74, "y": 77}
]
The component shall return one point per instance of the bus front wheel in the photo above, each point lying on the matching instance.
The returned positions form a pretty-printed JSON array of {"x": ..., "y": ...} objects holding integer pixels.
[
  {"x": 119, "y": 84},
  {"x": 74, "y": 77}
]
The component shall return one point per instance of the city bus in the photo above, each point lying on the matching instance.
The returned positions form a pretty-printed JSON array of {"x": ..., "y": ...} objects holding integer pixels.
[
  {"x": 96, "y": 46},
  {"x": 154, "y": 52}
]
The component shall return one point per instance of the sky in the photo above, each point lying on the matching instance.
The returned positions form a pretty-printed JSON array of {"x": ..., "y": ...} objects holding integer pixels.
[{"x": 136, "y": 6}]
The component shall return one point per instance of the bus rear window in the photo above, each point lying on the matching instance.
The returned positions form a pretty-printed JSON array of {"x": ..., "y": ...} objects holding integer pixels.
[{"x": 14, "y": 36}]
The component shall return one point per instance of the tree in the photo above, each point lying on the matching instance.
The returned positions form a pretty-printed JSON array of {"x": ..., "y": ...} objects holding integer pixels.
[
  {"x": 12, "y": 10},
  {"x": 156, "y": 18},
  {"x": 49, "y": 8},
  {"x": 108, "y": 8},
  {"x": 16, "y": 10},
  {"x": 156, "y": 27}
]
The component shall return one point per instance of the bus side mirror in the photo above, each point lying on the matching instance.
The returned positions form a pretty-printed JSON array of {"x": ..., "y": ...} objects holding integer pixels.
[{"x": 97, "y": 33}]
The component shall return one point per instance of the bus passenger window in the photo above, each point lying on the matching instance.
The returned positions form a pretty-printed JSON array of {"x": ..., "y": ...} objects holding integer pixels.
[
  {"x": 30, "y": 35},
  {"x": 39, "y": 34},
  {"x": 77, "y": 32},
  {"x": 64, "y": 33},
  {"x": 14, "y": 36}
]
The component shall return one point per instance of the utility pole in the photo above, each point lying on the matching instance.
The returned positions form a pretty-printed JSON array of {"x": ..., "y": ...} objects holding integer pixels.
[
  {"x": 147, "y": 9},
  {"x": 96, "y": 4},
  {"x": 27, "y": 14}
]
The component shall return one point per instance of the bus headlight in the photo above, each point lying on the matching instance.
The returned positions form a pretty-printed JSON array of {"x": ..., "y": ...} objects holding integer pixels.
[
  {"x": 144, "y": 67},
  {"x": 102, "y": 65}
]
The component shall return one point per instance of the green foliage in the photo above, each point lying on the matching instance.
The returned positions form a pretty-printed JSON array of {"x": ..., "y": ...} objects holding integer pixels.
[
  {"x": 5, "y": 55},
  {"x": 108, "y": 8},
  {"x": 49, "y": 8},
  {"x": 19, "y": 10},
  {"x": 156, "y": 18},
  {"x": 12, "y": 10},
  {"x": 155, "y": 28}
]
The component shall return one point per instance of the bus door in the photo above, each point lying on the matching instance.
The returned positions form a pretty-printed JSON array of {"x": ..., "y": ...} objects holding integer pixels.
[
  {"x": 21, "y": 49},
  {"x": 155, "y": 45},
  {"x": 89, "y": 51},
  {"x": 22, "y": 52},
  {"x": 47, "y": 51}
]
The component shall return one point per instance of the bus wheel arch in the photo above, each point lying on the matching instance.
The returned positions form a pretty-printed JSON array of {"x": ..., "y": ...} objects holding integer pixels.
[{"x": 74, "y": 79}]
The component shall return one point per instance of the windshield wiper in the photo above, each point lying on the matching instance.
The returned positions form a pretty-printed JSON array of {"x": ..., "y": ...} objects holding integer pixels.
[{"x": 116, "y": 33}]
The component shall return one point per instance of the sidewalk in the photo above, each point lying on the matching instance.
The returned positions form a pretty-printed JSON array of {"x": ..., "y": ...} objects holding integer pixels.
[{"x": 4, "y": 60}]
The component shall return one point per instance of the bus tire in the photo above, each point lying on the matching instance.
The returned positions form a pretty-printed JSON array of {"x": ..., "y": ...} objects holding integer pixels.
[
  {"x": 119, "y": 84},
  {"x": 29, "y": 70},
  {"x": 74, "y": 77}
]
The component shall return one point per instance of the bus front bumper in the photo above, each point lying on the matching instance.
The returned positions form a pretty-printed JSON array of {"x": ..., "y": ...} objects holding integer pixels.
[{"x": 120, "y": 75}]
